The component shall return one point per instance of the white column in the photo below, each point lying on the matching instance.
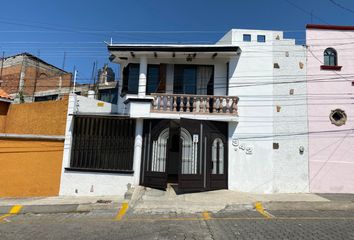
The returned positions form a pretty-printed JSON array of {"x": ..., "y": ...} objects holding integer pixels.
[
  {"x": 142, "y": 76},
  {"x": 138, "y": 145}
]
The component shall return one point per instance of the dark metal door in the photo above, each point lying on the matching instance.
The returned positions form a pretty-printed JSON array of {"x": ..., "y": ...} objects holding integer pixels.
[
  {"x": 191, "y": 167},
  {"x": 155, "y": 141},
  {"x": 216, "y": 154}
]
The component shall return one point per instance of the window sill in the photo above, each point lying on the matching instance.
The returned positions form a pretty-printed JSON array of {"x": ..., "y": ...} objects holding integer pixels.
[
  {"x": 74, "y": 169},
  {"x": 333, "y": 68}
]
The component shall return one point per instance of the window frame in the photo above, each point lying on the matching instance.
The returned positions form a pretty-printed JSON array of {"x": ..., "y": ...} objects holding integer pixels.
[
  {"x": 245, "y": 39},
  {"x": 148, "y": 79},
  {"x": 260, "y": 38},
  {"x": 126, "y": 80},
  {"x": 332, "y": 56}
]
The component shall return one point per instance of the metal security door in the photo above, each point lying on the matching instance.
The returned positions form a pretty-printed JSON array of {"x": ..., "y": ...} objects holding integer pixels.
[
  {"x": 216, "y": 154},
  {"x": 191, "y": 167},
  {"x": 156, "y": 137}
]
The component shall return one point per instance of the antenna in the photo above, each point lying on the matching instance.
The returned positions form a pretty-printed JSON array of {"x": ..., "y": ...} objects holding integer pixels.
[{"x": 64, "y": 58}]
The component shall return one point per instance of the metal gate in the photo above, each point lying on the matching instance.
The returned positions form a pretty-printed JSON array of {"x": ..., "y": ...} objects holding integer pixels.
[
  {"x": 202, "y": 156},
  {"x": 103, "y": 143},
  {"x": 155, "y": 140}
]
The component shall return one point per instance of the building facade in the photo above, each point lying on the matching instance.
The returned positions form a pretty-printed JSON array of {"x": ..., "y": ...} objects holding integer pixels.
[
  {"x": 330, "y": 89},
  {"x": 232, "y": 115},
  {"x": 28, "y": 78}
]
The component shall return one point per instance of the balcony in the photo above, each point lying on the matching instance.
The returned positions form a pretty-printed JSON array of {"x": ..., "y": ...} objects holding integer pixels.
[{"x": 194, "y": 104}]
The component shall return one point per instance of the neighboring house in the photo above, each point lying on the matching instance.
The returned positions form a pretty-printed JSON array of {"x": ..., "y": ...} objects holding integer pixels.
[
  {"x": 232, "y": 115},
  {"x": 5, "y": 101},
  {"x": 330, "y": 70},
  {"x": 28, "y": 78}
]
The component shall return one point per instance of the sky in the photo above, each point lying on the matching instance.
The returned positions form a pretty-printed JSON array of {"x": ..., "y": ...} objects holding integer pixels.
[{"x": 71, "y": 33}]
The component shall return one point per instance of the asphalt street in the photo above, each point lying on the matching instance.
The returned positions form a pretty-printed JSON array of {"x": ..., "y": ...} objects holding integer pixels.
[{"x": 245, "y": 224}]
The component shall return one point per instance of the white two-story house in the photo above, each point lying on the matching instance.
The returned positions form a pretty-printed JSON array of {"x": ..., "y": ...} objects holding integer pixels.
[{"x": 231, "y": 115}]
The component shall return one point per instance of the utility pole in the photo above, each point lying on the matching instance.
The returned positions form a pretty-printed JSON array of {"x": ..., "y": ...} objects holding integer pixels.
[
  {"x": 64, "y": 59},
  {"x": 36, "y": 77},
  {"x": 2, "y": 66},
  {"x": 93, "y": 73},
  {"x": 75, "y": 75}
]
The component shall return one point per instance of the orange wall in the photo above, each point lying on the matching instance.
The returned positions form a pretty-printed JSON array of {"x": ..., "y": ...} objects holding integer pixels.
[
  {"x": 30, "y": 168},
  {"x": 46, "y": 118},
  {"x": 4, "y": 106}
]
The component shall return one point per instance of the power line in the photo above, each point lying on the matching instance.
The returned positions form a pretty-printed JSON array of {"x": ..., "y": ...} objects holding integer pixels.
[{"x": 341, "y": 6}]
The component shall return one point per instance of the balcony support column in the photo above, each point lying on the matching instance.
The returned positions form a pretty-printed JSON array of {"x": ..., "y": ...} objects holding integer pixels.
[{"x": 142, "y": 76}]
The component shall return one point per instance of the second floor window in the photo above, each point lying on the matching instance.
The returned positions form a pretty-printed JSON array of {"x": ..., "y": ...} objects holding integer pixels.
[
  {"x": 246, "y": 37},
  {"x": 156, "y": 78},
  {"x": 330, "y": 57},
  {"x": 131, "y": 79}
]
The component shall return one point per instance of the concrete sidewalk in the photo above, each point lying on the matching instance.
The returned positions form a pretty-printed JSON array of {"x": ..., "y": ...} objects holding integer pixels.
[
  {"x": 157, "y": 201},
  {"x": 147, "y": 200},
  {"x": 60, "y": 204}
]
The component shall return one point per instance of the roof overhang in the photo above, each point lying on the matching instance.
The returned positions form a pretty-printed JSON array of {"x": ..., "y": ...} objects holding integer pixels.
[
  {"x": 330, "y": 27},
  {"x": 125, "y": 51},
  {"x": 7, "y": 100}
]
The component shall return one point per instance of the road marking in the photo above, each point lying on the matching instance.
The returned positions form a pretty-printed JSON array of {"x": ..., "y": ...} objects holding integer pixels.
[
  {"x": 206, "y": 215},
  {"x": 259, "y": 208},
  {"x": 122, "y": 211},
  {"x": 13, "y": 211}
]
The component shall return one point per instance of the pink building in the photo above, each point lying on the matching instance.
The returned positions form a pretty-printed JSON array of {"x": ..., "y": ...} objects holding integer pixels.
[{"x": 330, "y": 76}]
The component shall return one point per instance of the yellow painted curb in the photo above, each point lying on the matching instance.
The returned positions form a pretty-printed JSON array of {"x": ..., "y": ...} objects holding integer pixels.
[
  {"x": 206, "y": 215},
  {"x": 122, "y": 211},
  {"x": 259, "y": 208},
  {"x": 13, "y": 211}
]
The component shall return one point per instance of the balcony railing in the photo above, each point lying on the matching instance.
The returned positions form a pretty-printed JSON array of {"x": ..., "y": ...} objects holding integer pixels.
[{"x": 194, "y": 104}]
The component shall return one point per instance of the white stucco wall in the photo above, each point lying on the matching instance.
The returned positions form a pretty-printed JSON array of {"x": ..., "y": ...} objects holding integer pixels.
[
  {"x": 290, "y": 167},
  {"x": 254, "y": 166},
  {"x": 89, "y": 183}
]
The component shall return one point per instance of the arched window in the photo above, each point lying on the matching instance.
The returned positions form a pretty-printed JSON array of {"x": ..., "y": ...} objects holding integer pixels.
[
  {"x": 159, "y": 148},
  {"x": 218, "y": 156},
  {"x": 330, "y": 57},
  {"x": 189, "y": 153}
]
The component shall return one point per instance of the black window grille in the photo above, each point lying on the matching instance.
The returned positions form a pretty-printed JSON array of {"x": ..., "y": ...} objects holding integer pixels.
[{"x": 103, "y": 143}]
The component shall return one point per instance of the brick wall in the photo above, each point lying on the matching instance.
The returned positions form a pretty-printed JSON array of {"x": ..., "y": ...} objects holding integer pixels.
[{"x": 44, "y": 76}]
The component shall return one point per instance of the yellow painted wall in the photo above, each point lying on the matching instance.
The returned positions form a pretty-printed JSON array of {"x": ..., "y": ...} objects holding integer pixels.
[
  {"x": 46, "y": 118},
  {"x": 30, "y": 168},
  {"x": 4, "y": 106}
]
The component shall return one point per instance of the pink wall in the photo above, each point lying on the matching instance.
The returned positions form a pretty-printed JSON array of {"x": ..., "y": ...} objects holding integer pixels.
[{"x": 331, "y": 154}]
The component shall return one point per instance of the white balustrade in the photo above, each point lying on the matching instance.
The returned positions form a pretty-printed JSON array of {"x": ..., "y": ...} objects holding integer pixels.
[{"x": 194, "y": 104}]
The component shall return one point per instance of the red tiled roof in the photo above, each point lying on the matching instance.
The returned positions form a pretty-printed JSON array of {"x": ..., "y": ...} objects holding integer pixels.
[{"x": 4, "y": 94}]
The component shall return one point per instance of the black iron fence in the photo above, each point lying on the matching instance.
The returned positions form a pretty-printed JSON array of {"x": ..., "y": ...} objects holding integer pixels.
[{"x": 103, "y": 143}]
